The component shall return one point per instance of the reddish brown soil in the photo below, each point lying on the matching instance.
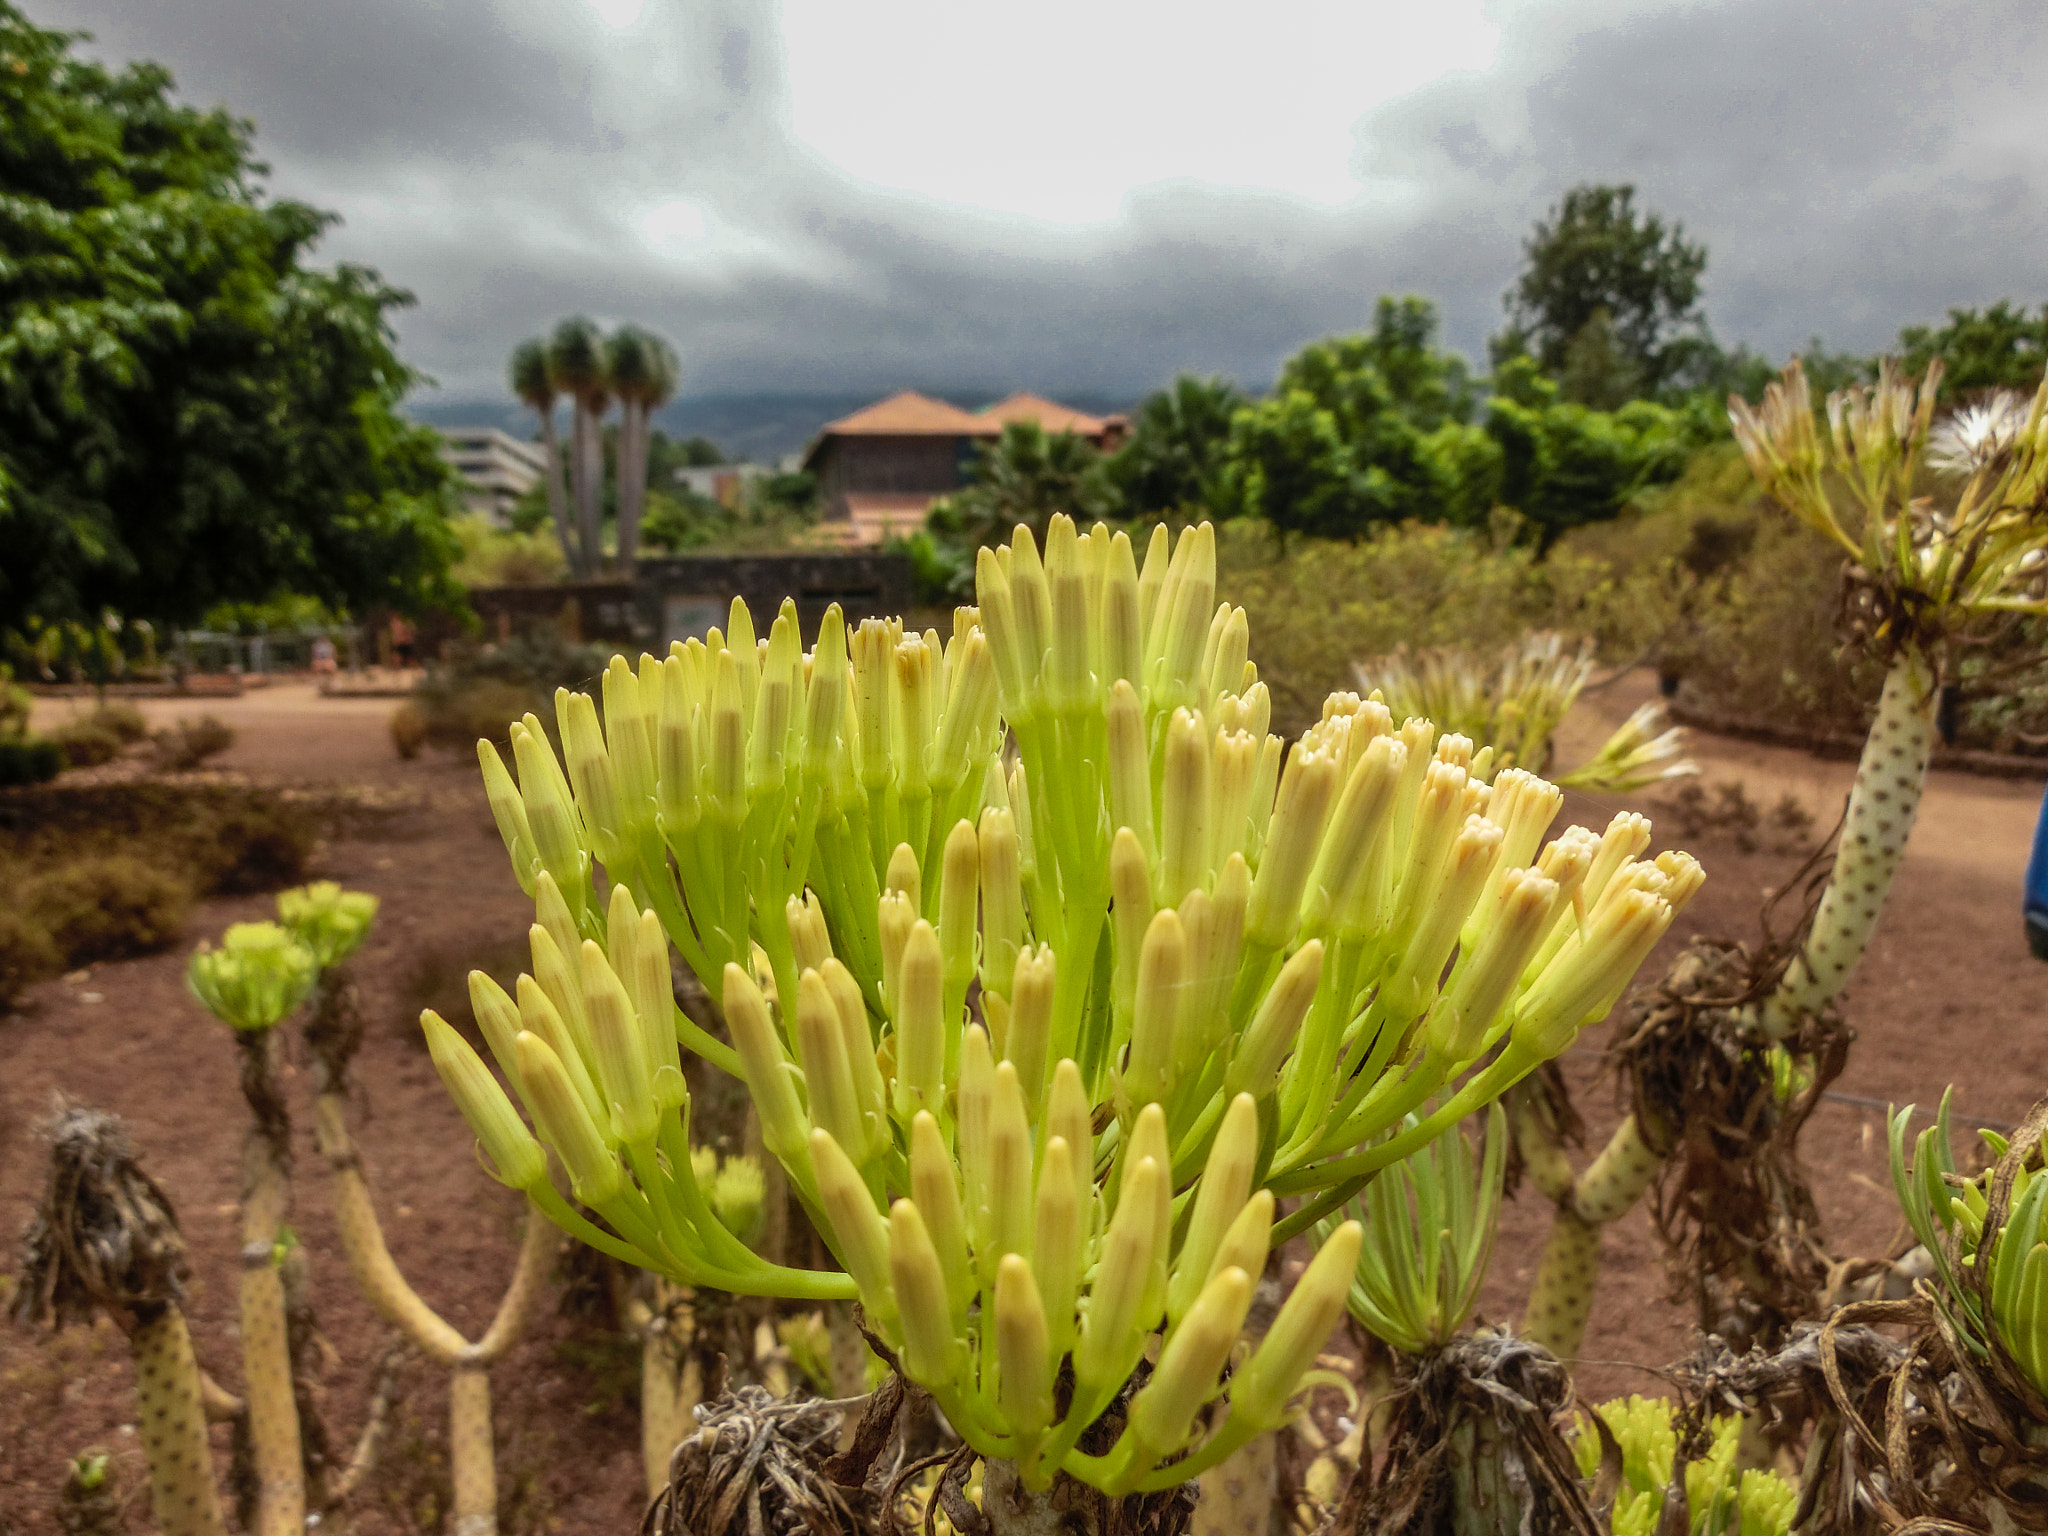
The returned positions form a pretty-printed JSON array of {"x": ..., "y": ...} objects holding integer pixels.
[{"x": 1949, "y": 993}]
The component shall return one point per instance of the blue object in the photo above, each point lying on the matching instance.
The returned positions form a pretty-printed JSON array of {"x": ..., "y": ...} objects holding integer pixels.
[{"x": 2035, "y": 905}]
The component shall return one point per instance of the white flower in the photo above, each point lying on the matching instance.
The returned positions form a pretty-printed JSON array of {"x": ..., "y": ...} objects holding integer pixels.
[{"x": 1976, "y": 436}]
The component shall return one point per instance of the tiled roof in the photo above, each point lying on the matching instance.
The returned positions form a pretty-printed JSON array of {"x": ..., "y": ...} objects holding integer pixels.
[
  {"x": 1049, "y": 414},
  {"x": 910, "y": 414}
]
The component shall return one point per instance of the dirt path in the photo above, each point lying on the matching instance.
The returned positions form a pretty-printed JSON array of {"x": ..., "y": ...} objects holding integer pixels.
[{"x": 1949, "y": 993}]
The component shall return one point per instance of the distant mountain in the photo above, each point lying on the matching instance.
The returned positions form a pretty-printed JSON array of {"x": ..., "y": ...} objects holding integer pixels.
[{"x": 756, "y": 428}]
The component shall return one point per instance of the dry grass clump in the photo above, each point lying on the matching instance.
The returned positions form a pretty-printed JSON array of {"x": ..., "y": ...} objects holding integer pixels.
[
  {"x": 184, "y": 746},
  {"x": 408, "y": 730}
]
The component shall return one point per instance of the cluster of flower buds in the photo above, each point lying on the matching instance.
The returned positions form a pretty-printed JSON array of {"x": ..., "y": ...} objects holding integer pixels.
[
  {"x": 587, "y": 1042},
  {"x": 329, "y": 921},
  {"x": 257, "y": 978},
  {"x": 1009, "y": 1259},
  {"x": 1985, "y": 552},
  {"x": 1150, "y": 934},
  {"x": 733, "y": 774}
]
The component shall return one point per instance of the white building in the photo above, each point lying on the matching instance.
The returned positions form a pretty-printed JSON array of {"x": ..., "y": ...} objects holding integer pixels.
[
  {"x": 725, "y": 484},
  {"x": 496, "y": 468}
]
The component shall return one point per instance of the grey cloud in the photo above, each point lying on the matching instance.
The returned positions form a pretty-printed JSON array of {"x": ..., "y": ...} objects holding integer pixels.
[{"x": 1852, "y": 167}]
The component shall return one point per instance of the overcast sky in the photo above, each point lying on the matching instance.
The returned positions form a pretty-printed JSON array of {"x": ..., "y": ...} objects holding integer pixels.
[{"x": 1083, "y": 195}]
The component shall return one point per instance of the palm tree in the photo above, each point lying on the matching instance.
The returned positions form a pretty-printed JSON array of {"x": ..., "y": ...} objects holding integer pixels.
[
  {"x": 535, "y": 387},
  {"x": 643, "y": 374},
  {"x": 580, "y": 368}
]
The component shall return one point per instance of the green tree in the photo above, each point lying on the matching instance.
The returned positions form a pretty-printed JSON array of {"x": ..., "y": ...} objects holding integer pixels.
[
  {"x": 1598, "y": 262},
  {"x": 1025, "y": 476},
  {"x": 1175, "y": 455},
  {"x": 189, "y": 413},
  {"x": 2000, "y": 347}
]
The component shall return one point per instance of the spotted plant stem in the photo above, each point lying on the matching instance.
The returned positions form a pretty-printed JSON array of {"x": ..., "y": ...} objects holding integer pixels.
[
  {"x": 266, "y": 1341},
  {"x": 1889, "y": 779},
  {"x": 171, "y": 1424},
  {"x": 1562, "y": 1298},
  {"x": 472, "y": 1459}
]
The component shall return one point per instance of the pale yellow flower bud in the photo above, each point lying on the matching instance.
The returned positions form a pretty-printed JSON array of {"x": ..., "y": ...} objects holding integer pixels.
[
  {"x": 1130, "y": 764},
  {"x": 768, "y": 740},
  {"x": 1350, "y": 867},
  {"x": 677, "y": 752},
  {"x": 516, "y": 1158},
  {"x": 1002, "y": 899},
  {"x": 828, "y": 1074},
  {"x": 558, "y": 969},
  {"x": 932, "y": 1352},
  {"x": 999, "y": 622},
  {"x": 1130, "y": 886},
  {"x": 1195, "y": 1355},
  {"x": 1233, "y": 772},
  {"x": 1162, "y": 973},
  {"x": 1269, "y": 1039},
  {"x": 565, "y": 1122},
  {"x": 1486, "y": 978},
  {"x": 784, "y": 1128},
  {"x": 825, "y": 693},
  {"x": 551, "y": 814},
  {"x": 1113, "y": 1331},
  {"x": 726, "y": 775},
  {"x": 1059, "y": 1238},
  {"x": 809, "y": 938},
  {"x": 974, "y": 1112},
  {"x": 1123, "y": 639},
  {"x": 1260, "y": 1391},
  {"x": 1590, "y": 971},
  {"x": 1071, "y": 674},
  {"x": 629, "y": 740},
  {"x": 937, "y": 1194},
  {"x": 1220, "y": 1194},
  {"x": 1030, "y": 1033},
  {"x": 1265, "y": 788},
  {"x": 895, "y": 916},
  {"x": 860, "y": 1234},
  {"x": 1070, "y": 1114},
  {"x": 1009, "y": 1169},
  {"x": 1151, "y": 577},
  {"x": 592, "y": 775},
  {"x": 1293, "y": 838},
  {"x": 1233, "y": 643},
  {"x": 539, "y": 1017},
  {"x": 959, "y": 879},
  {"x": 1034, "y": 604},
  {"x": 903, "y": 875},
  {"x": 970, "y": 713},
  {"x": 1247, "y": 1239},
  {"x": 922, "y": 1027},
  {"x": 623, "y": 1075},
  {"x": 498, "y": 1017},
  {"x": 1413, "y": 983},
  {"x": 1184, "y": 839},
  {"x": 509, "y": 812},
  {"x": 1024, "y": 1350}
]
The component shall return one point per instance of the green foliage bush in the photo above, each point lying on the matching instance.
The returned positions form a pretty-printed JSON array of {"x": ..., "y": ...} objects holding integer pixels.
[
  {"x": 27, "y": 954},
  {"x": 86, "y": 743},
  {"x": 189, "y": 743},
  {"x": 108, "y": 907},
  {"x": 1315, "y": 606},
  {"x": 483, "y": 690},
  {"x": 29, "y": 760}
]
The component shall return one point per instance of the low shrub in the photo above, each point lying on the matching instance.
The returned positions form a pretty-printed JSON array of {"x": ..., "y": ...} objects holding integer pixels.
[
  {"x": 189, "y": 743},
  {"x": 124, "y": 720},
  {"x": 482, "y": 691},
  {"x": 29, "y": 760},
  {"x": 27, "y": 954},
  {"x": 408, "y": 730},
  {"x": 108, "y": 907},
  {"x": 254, "y": 845},
  {"x": 86, "y": 743}
]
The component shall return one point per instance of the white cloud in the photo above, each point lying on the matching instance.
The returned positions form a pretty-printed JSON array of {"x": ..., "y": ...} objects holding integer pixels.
[{"x": 1062, "y": 109}]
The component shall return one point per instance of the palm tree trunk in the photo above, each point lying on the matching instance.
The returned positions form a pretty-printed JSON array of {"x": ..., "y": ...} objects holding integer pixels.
[
  {"x": 633, "y": 417},
  {"x": 590, "y": 490},
  {"x": 558, "y": 502}
]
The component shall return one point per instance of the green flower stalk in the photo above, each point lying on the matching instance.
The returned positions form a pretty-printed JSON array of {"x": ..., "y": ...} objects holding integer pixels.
[{"x": 1205, "y": 970}]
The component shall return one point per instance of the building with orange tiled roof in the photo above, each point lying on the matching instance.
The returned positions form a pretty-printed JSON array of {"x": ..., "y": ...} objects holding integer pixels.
[{"x": 880, "y": 469}]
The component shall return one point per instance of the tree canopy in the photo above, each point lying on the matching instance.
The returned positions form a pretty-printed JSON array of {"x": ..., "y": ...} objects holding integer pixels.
[
  {"x": 1608, "y": 299},
  {"x": 189, "y": 413},
  {"x": 1999, "y": 347}
]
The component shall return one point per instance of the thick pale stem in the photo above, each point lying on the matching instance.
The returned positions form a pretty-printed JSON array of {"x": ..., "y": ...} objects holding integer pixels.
[
  {"x": 266, "y": 1341},
  {"x": 1562, "y": 1298},
  {"x": 472, "y": 1462},
  {"x": 171, "y": 1422},
  {"x": 1239, "y": 1495},
  {"x": 671, "y": 1385},
  {"x": 1886, "y": 797}
]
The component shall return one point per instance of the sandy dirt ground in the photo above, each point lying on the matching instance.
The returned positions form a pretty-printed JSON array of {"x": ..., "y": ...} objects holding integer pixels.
[{"x": 1948, "y": 994}]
